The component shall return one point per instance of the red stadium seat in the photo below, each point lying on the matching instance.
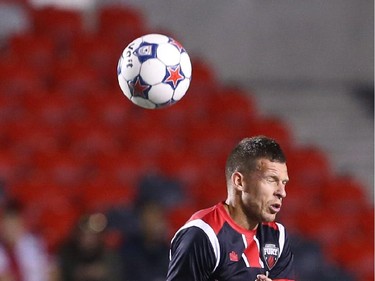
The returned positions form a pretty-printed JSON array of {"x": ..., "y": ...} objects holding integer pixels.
[
  {"x": 113, "y": 109},
  {"x": 12, "y": 109},
  {"x": 319, "y": 225},
  {"x": 355, "y": 253},
  {"x": 56, "y": 222},
  {"x": 122, "y": 24},
  {"x": 54, "y": 110},
  {"x": 203, "y": 74},
  {"x": 182, "y": 164},
  {"x": 272, "y": 127},
  {"x": 232, "y": 110},
  {"x": 27, "y": 136},
  {"x": 147, "y": 134},
  {"x": 35, "y": 51},
  {"x": 75, "y": 79},
  {"x": 177, "y": 116},
  {"x": 36, "y": 191},
  {"x": 99, "y": 53},
  {"x": 89, "y": 138},
  {"x": 105, "y": 193},
  {"x": 309, "y": 166},
  {"x": 298, "y": 197},
  {"x": 10, "y": 165},
  {"x": 214, "y": 145},
  {"x": 64, "y": 168},
  {"x": 33, "y": 98},
  {"x": 18, "y": 79},
  {"x": 233, "y": 104},
  {"x": 203, "y": 89},
  {"x": 210, "y": 189},
  {"x": 366, "y": 220},
  {"x": 344, "y": 193},
  {"x": 125, "y": 167},
  {"x": 63, "y": 26}
]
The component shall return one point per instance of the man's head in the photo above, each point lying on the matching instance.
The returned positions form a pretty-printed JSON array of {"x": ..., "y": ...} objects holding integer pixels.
[{"x": 256, "y": 176}]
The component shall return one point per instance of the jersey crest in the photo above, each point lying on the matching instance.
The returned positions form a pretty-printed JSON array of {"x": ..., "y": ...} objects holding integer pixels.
[{"x": 270, "y": 254}]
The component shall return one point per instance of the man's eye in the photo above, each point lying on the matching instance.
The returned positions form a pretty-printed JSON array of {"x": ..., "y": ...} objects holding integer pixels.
[{"x": 270, "y": 179}]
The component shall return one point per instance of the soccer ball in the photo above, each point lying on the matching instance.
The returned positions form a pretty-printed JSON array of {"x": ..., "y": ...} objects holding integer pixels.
[{"x": 154, "y": 71}]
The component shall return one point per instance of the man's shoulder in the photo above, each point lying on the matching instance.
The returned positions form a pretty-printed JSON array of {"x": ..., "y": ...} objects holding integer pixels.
[
  {"x": 211, "y": 216},
  {"x": 203, "y": 213}
]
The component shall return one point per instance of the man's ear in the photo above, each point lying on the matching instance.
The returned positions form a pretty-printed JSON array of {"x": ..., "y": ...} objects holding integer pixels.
[{"x": 237, "y": 181}]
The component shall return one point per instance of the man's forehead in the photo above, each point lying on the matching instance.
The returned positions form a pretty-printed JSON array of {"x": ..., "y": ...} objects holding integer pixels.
[{"x": 264, "y": 165}]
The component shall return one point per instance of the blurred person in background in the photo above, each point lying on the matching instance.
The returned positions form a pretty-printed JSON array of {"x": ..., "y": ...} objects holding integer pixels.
[
  {"x": 23, "y": 256},
  {"x": 145, "y": 253},
  {"x": 86, "y": 257},
  {"x": 238, "y": 239}
]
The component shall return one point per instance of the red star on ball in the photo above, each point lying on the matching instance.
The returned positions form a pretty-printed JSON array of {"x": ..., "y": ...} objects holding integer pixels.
[
  {"x": 139, "y": 88},
  {"x": 175, "y": 76}
]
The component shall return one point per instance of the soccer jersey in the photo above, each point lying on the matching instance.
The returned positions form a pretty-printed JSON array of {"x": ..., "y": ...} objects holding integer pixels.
[{"x": 211, "y": 246}]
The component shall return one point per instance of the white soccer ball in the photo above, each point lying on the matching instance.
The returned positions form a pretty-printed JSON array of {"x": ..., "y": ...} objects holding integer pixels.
[{"x": 154, "y": 71}]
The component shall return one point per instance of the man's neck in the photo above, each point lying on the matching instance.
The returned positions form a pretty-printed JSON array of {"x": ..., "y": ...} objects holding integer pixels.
[{"x": 238, "y": 216}]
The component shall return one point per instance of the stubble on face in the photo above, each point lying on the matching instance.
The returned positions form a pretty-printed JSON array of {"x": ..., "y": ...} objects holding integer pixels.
[{"x": 258, "y": 198}]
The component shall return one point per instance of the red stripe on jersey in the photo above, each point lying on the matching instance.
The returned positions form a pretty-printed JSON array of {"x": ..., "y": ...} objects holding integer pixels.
[
  {"x": 210, "y": 216},
  {"x": 272, "y": 225},
  {"x": 252, "y": 252}
]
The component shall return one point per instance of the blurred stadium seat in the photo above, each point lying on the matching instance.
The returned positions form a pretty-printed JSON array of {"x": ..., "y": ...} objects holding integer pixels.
[
  {"x": 121, "y": 24},
  {"x": 34, "y": 51},
  {"x": 100, "y": 54},
  {"x": 74, "y": 78},
  {"x": 63, "y": 26},
  {"x": 344, "y": 193},
  {"x": 309, "y": 165},
  {"x": 104, "y": 193},
  {"x": 272, "y": 127},
  {"x": 17, "y": 79}
]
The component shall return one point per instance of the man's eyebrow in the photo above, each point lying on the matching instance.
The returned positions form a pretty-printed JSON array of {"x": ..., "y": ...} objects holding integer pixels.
[{"x": 274, "y": 176}]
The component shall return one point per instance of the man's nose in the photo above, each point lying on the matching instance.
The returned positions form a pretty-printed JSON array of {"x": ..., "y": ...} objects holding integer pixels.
[{"x": 281, "y": 192}]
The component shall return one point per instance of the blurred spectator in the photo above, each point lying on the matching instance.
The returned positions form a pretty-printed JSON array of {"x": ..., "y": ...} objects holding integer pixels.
[
  {"x": 3, "y": 195},
  {"x": 145, "y": 255},
  {"x": 23, "y": 256},
  {"x": 121, "y": 219},
  {"x": 310, "y": 263},
  {"x": 150, "y": 187},
  {"x": 86, "y": 257}
]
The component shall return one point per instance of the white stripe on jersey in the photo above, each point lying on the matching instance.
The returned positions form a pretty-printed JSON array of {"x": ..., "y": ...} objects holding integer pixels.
[
  {"x": 281, "y": 237},
  {"x": 245, "y": 260},
  {"x": 258, "y": 245},
  {"x": 244, "y": 240},
  {"x": 210, "y": 234},
  {"x": 243, "y": 254}
]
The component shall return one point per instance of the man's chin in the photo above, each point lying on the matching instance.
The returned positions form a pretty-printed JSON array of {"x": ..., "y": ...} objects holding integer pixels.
[{"x": 269, "y": 218}]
